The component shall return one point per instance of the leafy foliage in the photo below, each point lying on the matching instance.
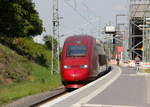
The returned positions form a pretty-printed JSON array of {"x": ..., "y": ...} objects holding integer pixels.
[
  {"x": 36, "y": 52},
  {"x": 48, "y": 42},
  {"x": 18, "y": 18},
  {"x": 18, "y": 73}
]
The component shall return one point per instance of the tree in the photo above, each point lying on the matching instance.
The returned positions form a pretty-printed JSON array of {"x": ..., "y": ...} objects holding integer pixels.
[
  {"x": 48, "y": 42},
  {"x": 18, "y": 18}
]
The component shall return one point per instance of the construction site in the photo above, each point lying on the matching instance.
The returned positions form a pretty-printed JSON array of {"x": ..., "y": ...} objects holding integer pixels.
[{"x": 139, "y": 30}]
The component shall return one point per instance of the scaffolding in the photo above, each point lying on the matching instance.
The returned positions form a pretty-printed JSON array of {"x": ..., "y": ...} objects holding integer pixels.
[{"x": 139, "y": 32}]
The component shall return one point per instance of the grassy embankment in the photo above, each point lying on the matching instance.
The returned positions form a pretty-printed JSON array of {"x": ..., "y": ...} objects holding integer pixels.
[{"x": 19, "y": 77}]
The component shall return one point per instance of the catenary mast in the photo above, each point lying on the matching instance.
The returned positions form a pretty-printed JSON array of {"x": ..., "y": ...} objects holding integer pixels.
[{"x": 55, "y": 52}]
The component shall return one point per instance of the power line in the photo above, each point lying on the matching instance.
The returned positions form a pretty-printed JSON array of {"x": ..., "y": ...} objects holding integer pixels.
[
  {"x": 77, "y": 12},
  {"x": 75, "y": 4},
  {"x": 82, "y": 26},
  {"x": 89, "y": 9}
]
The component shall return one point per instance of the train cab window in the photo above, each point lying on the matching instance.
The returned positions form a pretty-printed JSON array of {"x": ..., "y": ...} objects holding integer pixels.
[{"x": 76, "y": 50}]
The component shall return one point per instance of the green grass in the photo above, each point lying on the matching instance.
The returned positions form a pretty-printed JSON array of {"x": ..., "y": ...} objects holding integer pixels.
[
  {"x": 19, "y": 77},
  {"x": 147, "y": 70},
  {"x": 41, "y": 80},
  {"x": 13, "y": 66}
]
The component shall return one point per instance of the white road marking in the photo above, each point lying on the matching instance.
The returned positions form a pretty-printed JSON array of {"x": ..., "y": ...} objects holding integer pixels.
[
  {"x": 96, "y": 92},
  {"x": 101, "y": 105}
]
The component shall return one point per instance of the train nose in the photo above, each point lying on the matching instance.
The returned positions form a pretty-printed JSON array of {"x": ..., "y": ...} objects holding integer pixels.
[{"x": 75, "y": 74}]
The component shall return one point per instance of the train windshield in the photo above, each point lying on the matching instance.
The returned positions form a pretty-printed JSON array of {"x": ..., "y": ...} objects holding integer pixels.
[{"x": 76, "y": 50}]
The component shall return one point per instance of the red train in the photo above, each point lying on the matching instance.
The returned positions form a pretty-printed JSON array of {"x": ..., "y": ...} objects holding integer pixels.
[{"x": 81, "y": 61}]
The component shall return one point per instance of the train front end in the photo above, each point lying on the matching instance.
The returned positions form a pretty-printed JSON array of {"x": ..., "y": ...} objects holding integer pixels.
[{"x": 75, "y": 65}]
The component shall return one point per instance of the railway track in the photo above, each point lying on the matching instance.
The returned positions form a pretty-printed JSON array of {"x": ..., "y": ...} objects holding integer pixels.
[
  {"x": 38, "y": 104},
  {"x": 35, "y": 100},
  {"x": 61, "y": 95},
  {"x": 39, "y": 99}
]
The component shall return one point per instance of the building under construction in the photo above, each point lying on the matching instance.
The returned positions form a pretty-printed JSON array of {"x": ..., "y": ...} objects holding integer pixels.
[{"x": 139, "y": 17}]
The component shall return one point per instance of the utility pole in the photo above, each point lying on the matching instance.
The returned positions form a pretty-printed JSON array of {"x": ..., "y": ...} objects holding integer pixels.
[{"x": 55, "y": 32}]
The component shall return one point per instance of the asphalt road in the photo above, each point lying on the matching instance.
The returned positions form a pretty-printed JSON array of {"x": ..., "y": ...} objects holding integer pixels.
[{"x": 124, "y": 88}]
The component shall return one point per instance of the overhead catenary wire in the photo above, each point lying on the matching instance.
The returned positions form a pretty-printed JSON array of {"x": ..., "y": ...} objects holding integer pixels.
[
  {"x": 89, "y": 9},
  {"x": 75, "y": 9},
  {"x": 75, "y": 4},
  {"x": 91, "y": 12},
  {"x": 81, "y": 26},
  {"x": 83, "y": 17}
]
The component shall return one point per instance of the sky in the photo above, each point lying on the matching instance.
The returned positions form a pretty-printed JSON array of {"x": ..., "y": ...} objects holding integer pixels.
[{"x": 82, "y": 16}]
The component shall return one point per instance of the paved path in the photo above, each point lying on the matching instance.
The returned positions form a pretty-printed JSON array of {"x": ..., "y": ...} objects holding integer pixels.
[
  {"x": 117, "y": 89},
  {"x": 129, "y": 90}
]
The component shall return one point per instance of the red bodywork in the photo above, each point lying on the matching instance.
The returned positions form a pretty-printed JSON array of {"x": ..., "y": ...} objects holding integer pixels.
[{"x": 75, "y": 76}]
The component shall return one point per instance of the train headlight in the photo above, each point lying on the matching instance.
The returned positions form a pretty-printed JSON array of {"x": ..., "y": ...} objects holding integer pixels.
[
  {"x": 83, "y": 66},
  {"x": 67, "y": 66}
]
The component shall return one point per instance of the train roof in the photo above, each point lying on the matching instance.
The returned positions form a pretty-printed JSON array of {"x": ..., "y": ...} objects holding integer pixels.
[{"x": 79, "y": 38}]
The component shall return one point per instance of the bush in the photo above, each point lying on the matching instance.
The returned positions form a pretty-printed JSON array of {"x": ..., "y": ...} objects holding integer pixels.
[{"x": 35, "y": 52}]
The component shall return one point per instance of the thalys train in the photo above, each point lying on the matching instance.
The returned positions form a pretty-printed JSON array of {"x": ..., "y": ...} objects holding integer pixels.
[{"x": 83, "y": 59}]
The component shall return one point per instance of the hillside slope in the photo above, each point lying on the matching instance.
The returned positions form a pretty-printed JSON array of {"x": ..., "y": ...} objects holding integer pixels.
[
  {"x": 13, "y": 67},
  {"x": 19, "y": 77}
]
